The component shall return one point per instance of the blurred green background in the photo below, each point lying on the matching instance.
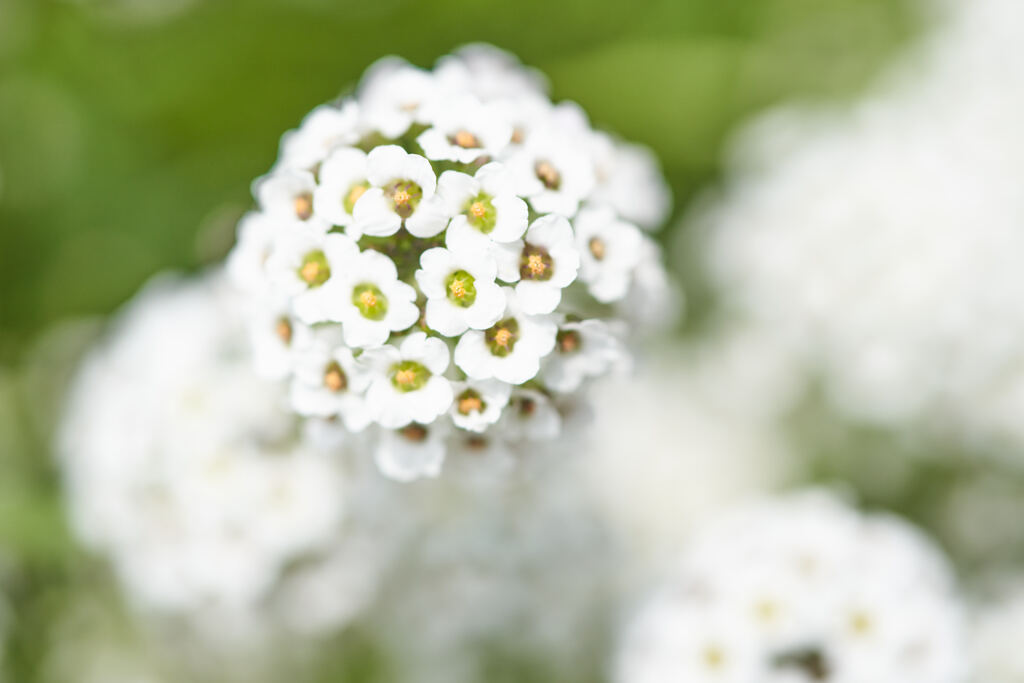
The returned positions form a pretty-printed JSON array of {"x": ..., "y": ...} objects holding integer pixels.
[{"x": 130, "y": 131}]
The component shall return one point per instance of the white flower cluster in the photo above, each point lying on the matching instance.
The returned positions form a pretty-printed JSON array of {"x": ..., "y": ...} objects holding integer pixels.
[
  {"x": 447, "y": 251},
  {"x": 186, "y": 470},
  {"x": 880, "y": 244},
  {"x": 796, "y": 590}
]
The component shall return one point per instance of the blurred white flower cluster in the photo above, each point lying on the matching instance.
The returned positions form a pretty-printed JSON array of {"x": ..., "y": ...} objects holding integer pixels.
[
  {"x": 997, "y": 633},
  {"x": 800, "y": 589},
  {"x": 188, "y": 471},
  {"x": 878, "y": 245},
  {"x": 446, "y": 256}
]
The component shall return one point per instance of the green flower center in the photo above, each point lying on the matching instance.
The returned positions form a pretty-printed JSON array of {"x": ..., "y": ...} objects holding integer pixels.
[
  {"x": 353, "y": 195},
  {"x": 481, "y": 214},
  {"x": 502, "y": 338},
  {"x": 314, "y": 270},
  {"x": 535, "y": 263},
  {"x": 569, "y": 341},
  {"x": 405, "y": 195},
  {"x": 461, "y": 288},
  {"x": 409, "y": 375},
  {"x": 469, "y": 401},
  {"x": 370, "y": 301}
]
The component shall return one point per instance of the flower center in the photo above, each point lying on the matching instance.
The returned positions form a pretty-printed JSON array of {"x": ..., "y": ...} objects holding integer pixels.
[
  {"x": 568, "y": 341},
  {"x": 461, "y": 288},
  {"x": 370, "y": 301},
  {"x": 405, "y": 195},
  {"x": 416, "y": 433},
  {"x": 315, "y": 270},
  {"x": 354, "y": 193},
  {"x": 518, "y": 135},
  {"x": 463, "y": 138},
  {"x": 714, "y": 658},
  {"x": 502, "y": 338},
  {"x": 303, "y": 205},
  {"x": 548, "y": 174},
  {"x": 468, "y": 402},
  {"x": 481, "y": 214},
  {"x": 334, "y": 377},
  {"x": 409, "y": 375},
  {"x": 535, "y": 263},
  {"x": 283, "y": 330},
  {"x": 526, "y": 406},
  {"x": 597, "y": 248}
]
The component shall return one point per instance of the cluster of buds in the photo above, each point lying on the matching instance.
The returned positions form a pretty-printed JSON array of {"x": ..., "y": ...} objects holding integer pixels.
[{"x": 443, "y": 259}]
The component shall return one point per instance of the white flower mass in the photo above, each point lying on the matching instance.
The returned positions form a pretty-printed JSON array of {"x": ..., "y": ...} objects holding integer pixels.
[
  {"x": 187, "y": 471},
  {"x": 880, "y": 243},
  {"x": 442, "y": 238},
  {"x": 796, "y": 590}
]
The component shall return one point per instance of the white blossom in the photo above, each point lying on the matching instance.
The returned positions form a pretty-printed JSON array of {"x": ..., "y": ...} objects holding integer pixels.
[
  {"x": 477, "y": 404},
  {"x": 409, "y": 383},
  {"x": 343, "y": 178},
  {"x": 371, "y": 301},
  {"x": 461, "y": 290},
  {"x": 584, "y": 349},
  {"x": 801, "y": 588},
  {"x": 610, "y": 252},
  {"x": 548, "y": 263},
  {"x": 511, "y": 349}
]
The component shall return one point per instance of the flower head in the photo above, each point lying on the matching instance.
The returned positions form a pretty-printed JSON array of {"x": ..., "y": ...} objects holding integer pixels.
[{"x": 446, "y": 215}]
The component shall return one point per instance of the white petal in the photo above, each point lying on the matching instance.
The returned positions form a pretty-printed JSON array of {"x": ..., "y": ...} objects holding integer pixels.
[
  {"x": 429, "y": 218},
  {"x": 512, "y": 218},
  {"x": 374, "y": 214},
  {"x": 385, "y": 164},
  {"x": 488, "y": 307},
  {"x": 445, "y": 318},
  {"x": 456, "y": 189}
]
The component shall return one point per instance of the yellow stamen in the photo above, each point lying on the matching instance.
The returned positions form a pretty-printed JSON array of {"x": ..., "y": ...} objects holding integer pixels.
[
  {"x": 283, "y": 329},
  {"x": 334, "y": 379},
  {"x": 547, "y": 174},
  {"x": 597, "y": 248},
  {"x": 470, "y": 404},
  {"x": 464, "y": 138},
  {"x": 477, "y": 210},
  {"x": 368, "y": 299},
  {"x": 860, "y": 623},
  {"x": 405, "y": 378},
  {"x": 457, "y": 288},
  {"x": 502, "y": 337},
  {"x": 535, "y": 264},
  {"x": 303, "y": 205},
  {"x": 401, "y": 197},
  {"x": 355, "y": 194},
  {"x": 310, "y": 272},
  {"x": 714, "y": 657}
]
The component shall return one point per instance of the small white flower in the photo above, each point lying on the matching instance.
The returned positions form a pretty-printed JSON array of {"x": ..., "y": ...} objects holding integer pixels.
[
  {"x": 511, "y": 349},
  {"x": 547, "y": 264},
  {"x": 610, "y": 252},
  {"x": 275, "y": 336},
  {"x": 343, "y": 180},
  {"x": 530, "y": 416},
  {"x": 371, "y": 300},
  {"x": 588, "y": 348},
  {"x": 486, "y": 214},
  {"x": 552, "y": 172},
  {"x": 409, "y": 385},
  {"x": 629, "y": 180},
  {"x": 323, "y": 129},
  {"x": 460, "y": 289},
  {"x": 489, "y": 73},
  {"x": 329, "y": 381},
  {"x": 303, "y": 264},
  {"x": 478, "y": 404},
  {"x": 401, "y": 193},
  {"x": 463, "y": 130},
  {"x": 287, "y": 196},
  {"x": 254, "y": 243},
  {"x": 412, "y": 452},
  {"x": 391, "y": 95}
]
